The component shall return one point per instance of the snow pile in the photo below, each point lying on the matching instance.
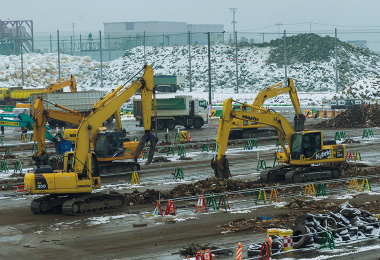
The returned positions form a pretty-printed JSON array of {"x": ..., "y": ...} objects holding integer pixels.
[
  {"x": 311, "y": 63},
  {"x": 42, "y": 69},
  {"x": 364, "y": 89}
]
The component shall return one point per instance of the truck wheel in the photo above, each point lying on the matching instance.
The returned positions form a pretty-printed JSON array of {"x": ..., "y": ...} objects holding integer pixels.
[
  {"x": 170, "y": 124},
  {"x": 198, "y": 123},
  {"x": 160, "y": 124}
]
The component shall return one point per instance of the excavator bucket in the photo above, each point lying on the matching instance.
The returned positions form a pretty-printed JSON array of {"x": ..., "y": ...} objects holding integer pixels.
[
  {"x": 221, "y": 168},
  {"x": 299, "y": 123},
  {"x": 146, "y": 138}
]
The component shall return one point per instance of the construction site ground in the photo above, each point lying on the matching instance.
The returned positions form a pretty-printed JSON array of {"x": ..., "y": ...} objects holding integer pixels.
[{"x": 134, "y": 233}]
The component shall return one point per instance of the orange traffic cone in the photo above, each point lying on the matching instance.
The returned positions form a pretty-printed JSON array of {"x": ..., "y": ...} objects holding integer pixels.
[{"x": 189, "y": 137}]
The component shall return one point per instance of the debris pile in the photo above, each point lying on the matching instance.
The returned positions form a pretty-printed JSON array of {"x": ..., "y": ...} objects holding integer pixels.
[
  {"x": 210, "y": 185},
  {"x": 355, "y": 117},
  {"x": 258, "y": 224},
  {"x": 194, "y": 248},
  {"x": 346, "y": 223}
]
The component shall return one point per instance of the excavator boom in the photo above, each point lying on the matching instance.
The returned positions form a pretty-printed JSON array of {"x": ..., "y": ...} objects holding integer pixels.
[{"x": 61, "y": 84}]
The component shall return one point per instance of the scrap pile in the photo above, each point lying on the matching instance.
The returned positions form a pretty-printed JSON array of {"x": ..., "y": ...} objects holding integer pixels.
[
  {"x": 346, "y": 223},
  {"x": 356, "y": 117}
]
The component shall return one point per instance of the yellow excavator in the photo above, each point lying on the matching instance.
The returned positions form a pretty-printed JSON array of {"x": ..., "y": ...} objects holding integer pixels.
[
  {"x": 248, "y": 128},
  {"x": 61, "y": 84},
  {"x": 71, "y": 189},
  {"x": 298, "y": 159}
]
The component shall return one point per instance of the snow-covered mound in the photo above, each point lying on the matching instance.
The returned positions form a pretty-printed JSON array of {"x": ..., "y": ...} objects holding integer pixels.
[
  {"x": 363, "y": 89},
  {"x": 42, "y": 69},
  {"x": 310, "y": 60}
]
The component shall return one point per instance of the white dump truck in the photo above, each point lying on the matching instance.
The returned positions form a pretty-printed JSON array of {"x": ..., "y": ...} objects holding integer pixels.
[{"x": 181, "y": 110}]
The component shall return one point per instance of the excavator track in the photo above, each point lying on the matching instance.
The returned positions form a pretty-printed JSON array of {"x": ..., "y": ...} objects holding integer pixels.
[
  {"x": 48, "y": 204},
  {"x": 293, "y": 174},
  {"x": 93, "y": 203},
  {"x": 113, "y": 167}
]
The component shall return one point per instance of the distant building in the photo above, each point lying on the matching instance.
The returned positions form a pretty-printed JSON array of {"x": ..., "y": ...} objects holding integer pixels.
[
  {"x": 359, "y": 43},
  {"x": 157, "y": 33}
]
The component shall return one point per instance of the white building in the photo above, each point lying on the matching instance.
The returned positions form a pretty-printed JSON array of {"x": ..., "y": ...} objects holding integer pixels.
[{"x": 157, "y": 33}]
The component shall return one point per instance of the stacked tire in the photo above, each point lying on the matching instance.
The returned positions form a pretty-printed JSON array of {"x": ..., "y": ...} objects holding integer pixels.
[{"x": 346, "y": 224}]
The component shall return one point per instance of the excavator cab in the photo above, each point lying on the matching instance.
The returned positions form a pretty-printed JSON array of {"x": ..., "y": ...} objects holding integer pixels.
[
  {"x": 305, "y": 144},
  {"x": 109, "y": 144}
]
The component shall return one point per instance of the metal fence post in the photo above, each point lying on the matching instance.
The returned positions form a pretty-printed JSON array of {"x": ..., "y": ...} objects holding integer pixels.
[
  {"x": 101, "y": 58},
  {"x": 59, "y": 57}
]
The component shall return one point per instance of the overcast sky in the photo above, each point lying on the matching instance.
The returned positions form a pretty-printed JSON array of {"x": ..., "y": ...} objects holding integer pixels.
[{"x": 89, "y": 15}]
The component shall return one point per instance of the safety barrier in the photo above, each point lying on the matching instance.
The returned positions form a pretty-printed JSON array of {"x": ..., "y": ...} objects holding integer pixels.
[
  {"x": 17, "y": 167},
  {"x": 274, "y": 196},
  {"x": 7, "y": 150},
  {"x": 249, "y": 144},
  {"x": 340, "y": 135},
  {"x": 367, "y": 133},
  {"x": 309, "y": 190},
  {"x": 215, "y": 147},
  {"x": 261, "y": 165},
  {"x": 183, "y": 136},
  {"x": 205, "y": 147},
  {"x": 261, "y": 195},
  {"x": 265, "y": 251},
  {"x": 201, "y": 205},
  {"x": 4, "y": 166},
  {"x": 167, "y": 138},
  {"x": 211, "y": 202},
  {"x": 354, "y": 184},
  {"x": 353, "y": 156},
  {"x": 223, "y": 202},
  {"x": 170, "y": 150},
  {"x": 321, "y": 190},
  {"x": 327, "y": 237},
  {"x": 182, "y": 151},
  {"x": 239, "y": 251},
  {"x": 134, "y": 179},
  {"x": 1, "y": 140},
  {"x": 170, "y": 208},
  {"x": 157, "y": 209},
  {"x": 145, "y": 153},
  {"x": 178, "y": 174},
  {"x": 177, "y": 138}
]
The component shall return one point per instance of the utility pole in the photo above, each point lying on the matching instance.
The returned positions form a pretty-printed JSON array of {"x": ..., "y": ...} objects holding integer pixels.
[
  {"x": 233, "y": 10},
  {"x": 285, "y": 58},
  {"x": 336, "y": 61},
  {"x": 263, "y": 38},
  {"x": 190, "y": 60},
  {"x": 209, "y": 69},
  {"x": 101, "y": 58},
  {"x": 22, "y": 61},
  {"x": 73, "y": 24},
  {"x": 310, "y": 27},
  {"x": 144, "y": 49},
  {"x": 278, "y": 28},
  {"x": 59, "y": 57}
]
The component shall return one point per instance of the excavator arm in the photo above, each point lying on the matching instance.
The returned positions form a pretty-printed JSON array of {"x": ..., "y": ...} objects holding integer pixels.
[
  {"x": 105, "y": 107},
  {"x": 259, "y": 115},
  {"x": 61, "y": 84},
  {"x": 273, "y": 91},
  {"x": 40, "y": 115}
]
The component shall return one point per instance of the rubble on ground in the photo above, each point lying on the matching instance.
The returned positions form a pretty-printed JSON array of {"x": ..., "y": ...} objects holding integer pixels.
[
  {"x": 355, "y": 117},
  {"x": 194, "y": 248},
  {"x": 286, "y": 221}
]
